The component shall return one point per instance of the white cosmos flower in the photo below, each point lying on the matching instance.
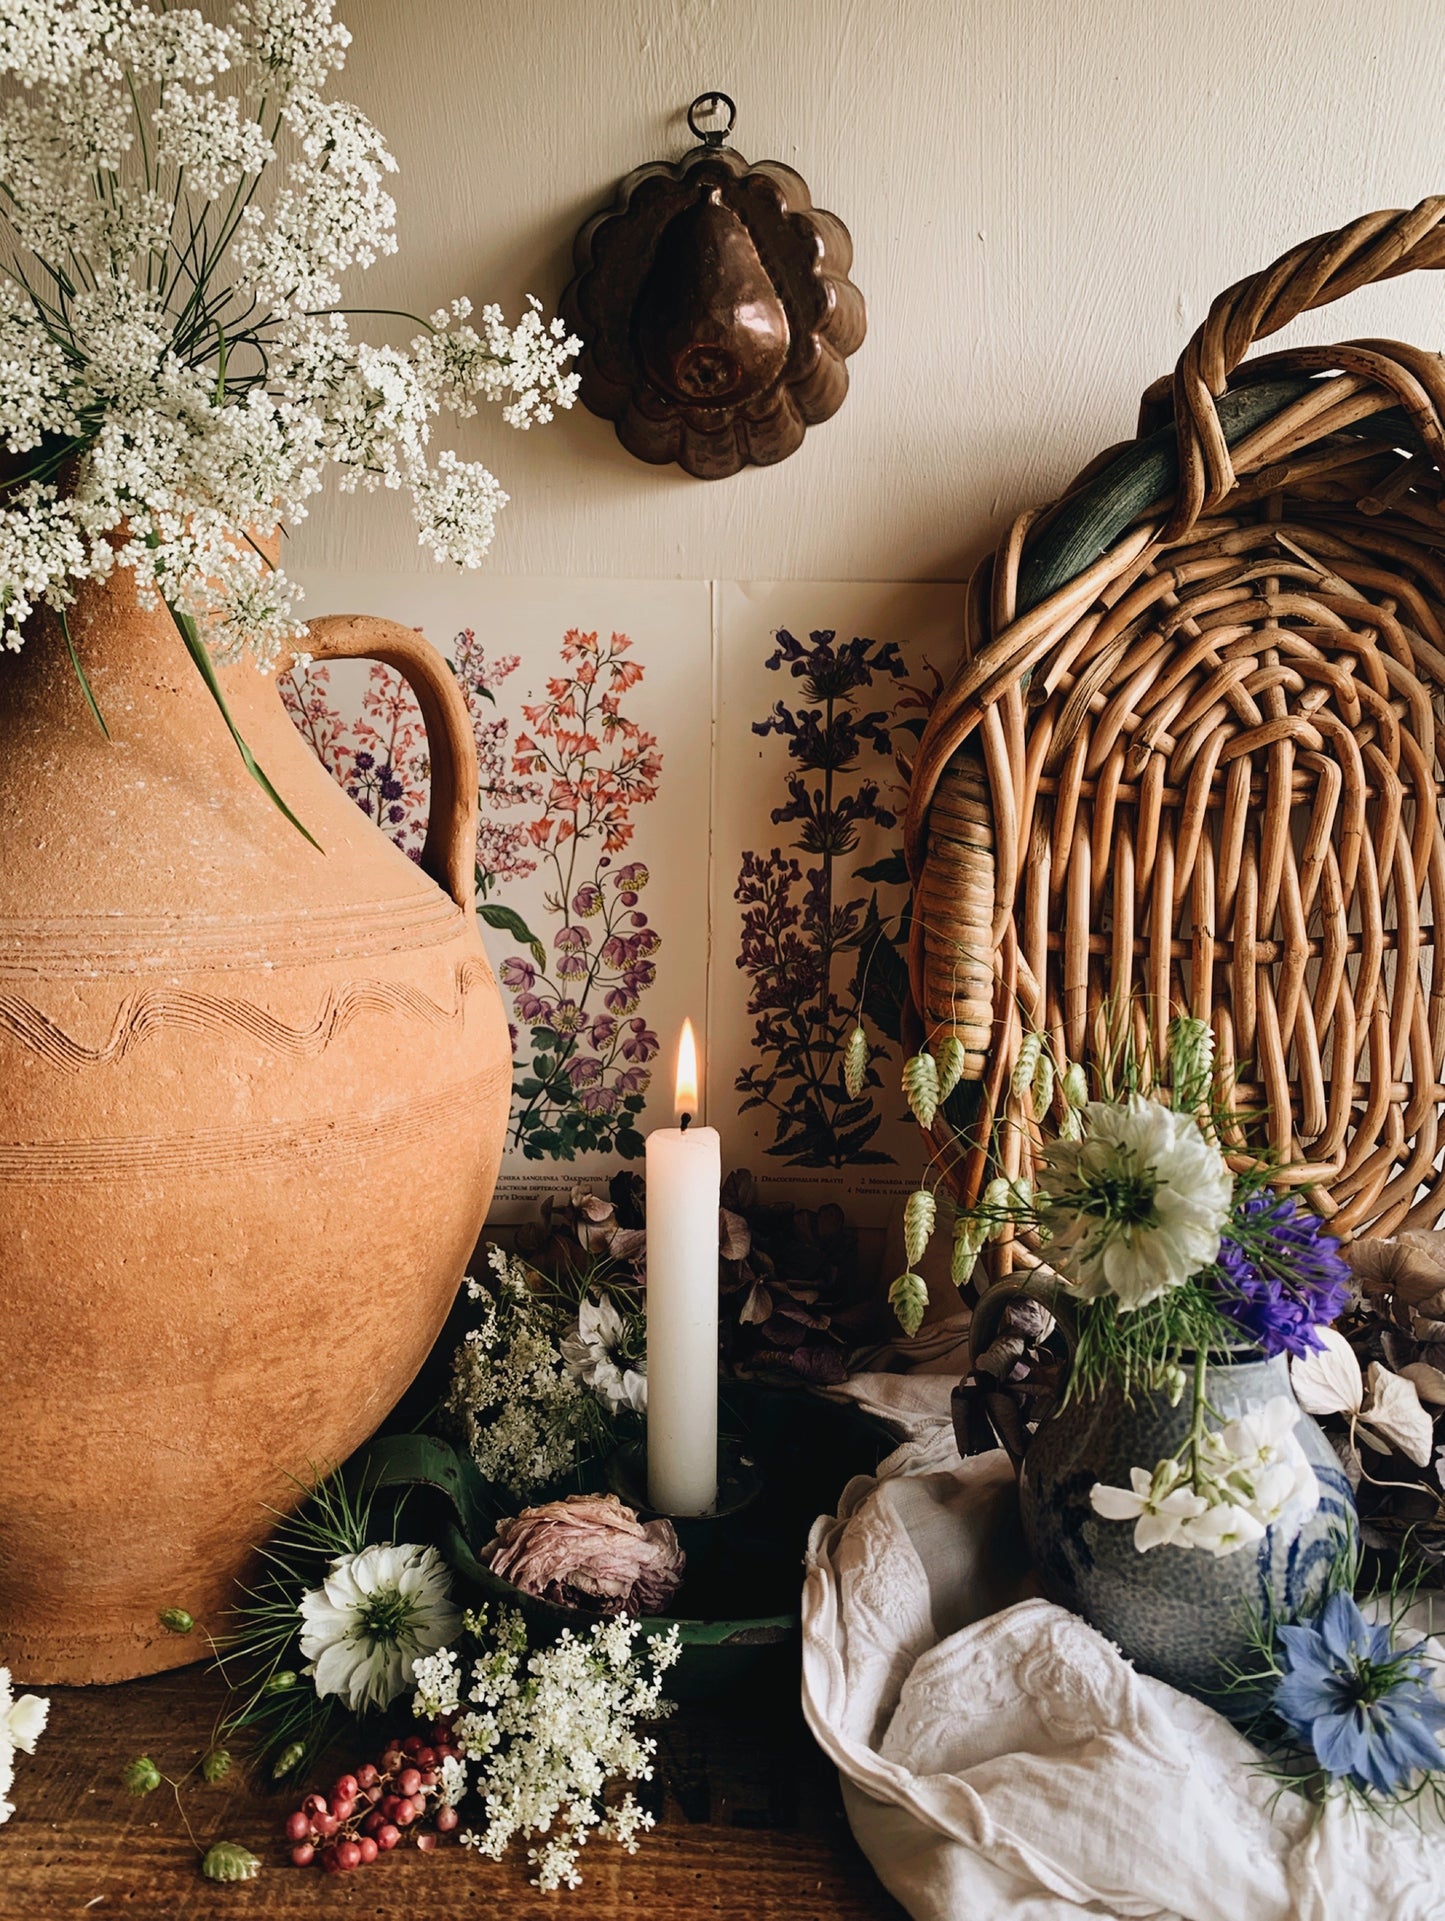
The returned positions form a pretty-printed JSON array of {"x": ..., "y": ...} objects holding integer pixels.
[
  {"x": 21, "y": 1724},
  {"x": 590, "y": 1354},
  {"x": 376, "y": 1612},
  {"x": 1138, "y": 1205}
]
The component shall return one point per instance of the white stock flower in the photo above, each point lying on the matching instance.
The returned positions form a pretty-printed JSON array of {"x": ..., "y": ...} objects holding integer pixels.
[
  {"x": 363, "y": 1629},
  {"x": 1223, "y": 1529},
  {"x": 1158, "y": 1509},
  {"x": 1138, "y": 1205},
  {"x": 22, "y": 1722},
  {"x": 590, "y": 1352},
  {"x": 1247, "y": 1476}
]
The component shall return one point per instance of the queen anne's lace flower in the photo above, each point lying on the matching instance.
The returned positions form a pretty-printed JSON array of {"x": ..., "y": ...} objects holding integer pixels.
[
  {"x": 375, "y": 1613},
  {"x": 22, "y": 1722},
  {"x": 520, "y": 1410},
  {"x": 190, "y": 385},
  {"x": 543, "y": 1732}
]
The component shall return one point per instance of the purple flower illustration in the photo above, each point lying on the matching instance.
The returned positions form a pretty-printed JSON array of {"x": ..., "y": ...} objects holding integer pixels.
[
  {"x": 808, "y": 941},
  {"x": 592, "y": 768}
]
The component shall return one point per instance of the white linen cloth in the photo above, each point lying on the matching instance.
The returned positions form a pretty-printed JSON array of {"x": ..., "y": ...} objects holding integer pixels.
[{"x": 1001, "y": 1761}]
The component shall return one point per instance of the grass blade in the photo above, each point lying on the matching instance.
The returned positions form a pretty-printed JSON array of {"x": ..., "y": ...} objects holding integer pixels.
[
  {"x": 85, "y": 686},
  {"x": 201, "y": 654}
]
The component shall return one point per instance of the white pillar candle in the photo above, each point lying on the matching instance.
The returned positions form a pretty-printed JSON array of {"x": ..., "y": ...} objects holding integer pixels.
[{"x": 684, "y": 1177}]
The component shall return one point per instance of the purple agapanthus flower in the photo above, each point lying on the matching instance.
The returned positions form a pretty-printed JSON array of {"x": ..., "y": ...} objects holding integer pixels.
[
  {"x": 1281, "y": 1277},
  {"x": 1365, "y": 1707}
]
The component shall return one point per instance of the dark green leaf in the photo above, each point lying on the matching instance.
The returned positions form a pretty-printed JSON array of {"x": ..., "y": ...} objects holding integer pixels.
[{"x": 507, "y": 921}]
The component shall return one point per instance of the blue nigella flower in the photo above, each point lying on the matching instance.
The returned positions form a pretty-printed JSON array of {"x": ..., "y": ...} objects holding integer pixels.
[
  {"x": 1365, "y": 1707},
  {"x": 1281, "y": 1275}
]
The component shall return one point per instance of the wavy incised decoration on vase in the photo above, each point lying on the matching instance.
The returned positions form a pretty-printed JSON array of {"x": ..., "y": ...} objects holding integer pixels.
[{"x": 141, "y": 1016}]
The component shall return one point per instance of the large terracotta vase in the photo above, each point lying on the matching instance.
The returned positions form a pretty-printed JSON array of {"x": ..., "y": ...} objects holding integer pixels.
[{"x": 252, "y": 1101}]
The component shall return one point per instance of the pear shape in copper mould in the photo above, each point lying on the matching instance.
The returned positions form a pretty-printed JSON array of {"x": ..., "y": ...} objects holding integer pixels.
[{"x": 709, "y": 327}]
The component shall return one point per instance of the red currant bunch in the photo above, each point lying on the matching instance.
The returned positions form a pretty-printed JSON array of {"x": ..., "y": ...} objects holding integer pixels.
[{"x": 369, "y": 1812}]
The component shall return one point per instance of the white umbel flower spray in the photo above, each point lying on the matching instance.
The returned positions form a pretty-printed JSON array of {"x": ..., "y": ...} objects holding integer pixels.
[
  {"x": 372, "y": 1618},
  {"x": 22, "y": 1722},
  {"x": 182, "y": 206}
]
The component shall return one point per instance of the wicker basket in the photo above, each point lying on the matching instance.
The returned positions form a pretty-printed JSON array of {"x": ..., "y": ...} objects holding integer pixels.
[{"x": 1191, "y": 758}]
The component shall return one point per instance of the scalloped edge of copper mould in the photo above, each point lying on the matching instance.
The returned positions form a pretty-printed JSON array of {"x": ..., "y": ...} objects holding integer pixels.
[{"x": 715, "y": 310}]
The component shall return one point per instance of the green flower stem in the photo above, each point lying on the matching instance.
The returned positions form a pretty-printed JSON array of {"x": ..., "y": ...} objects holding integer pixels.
[{"x": 200, "y": 653}]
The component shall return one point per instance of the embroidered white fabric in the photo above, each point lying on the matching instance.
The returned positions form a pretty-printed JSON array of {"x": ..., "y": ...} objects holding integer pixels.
[{"x": 1001, "y": 1761}]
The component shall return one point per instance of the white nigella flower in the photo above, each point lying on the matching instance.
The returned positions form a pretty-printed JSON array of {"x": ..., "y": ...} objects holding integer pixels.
[
  {"x": 376, "y": 1612},
  {"x": 21, "y": 1724},
  {"x": 1138, "y": 1205},
  {"x": 591, "y": 1356}
]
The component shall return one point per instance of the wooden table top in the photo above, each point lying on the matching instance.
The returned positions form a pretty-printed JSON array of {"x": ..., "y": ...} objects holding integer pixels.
[{"x": 750, "y": 1828}]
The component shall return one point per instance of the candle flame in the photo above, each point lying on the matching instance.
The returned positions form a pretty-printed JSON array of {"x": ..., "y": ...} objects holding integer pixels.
[{"x": 685, "y": 1098}]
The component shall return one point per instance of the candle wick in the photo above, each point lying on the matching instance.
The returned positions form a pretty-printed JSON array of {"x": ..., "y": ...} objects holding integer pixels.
[{"x": 686, "y": 1123}]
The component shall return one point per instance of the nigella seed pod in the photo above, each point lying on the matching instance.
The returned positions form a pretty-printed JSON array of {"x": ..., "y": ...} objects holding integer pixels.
[
  {"x": 229, "y": 1861},
  {"x": 176, "y": 1620},
  {"x": 281, "y": 1682},
  {"x": 287, "y": 1759}
]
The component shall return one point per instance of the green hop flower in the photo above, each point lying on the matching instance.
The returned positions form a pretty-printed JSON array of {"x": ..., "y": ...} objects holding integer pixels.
[
  {"x": 216, "y": 1766},
  {"x": 287, "y": 1759}
]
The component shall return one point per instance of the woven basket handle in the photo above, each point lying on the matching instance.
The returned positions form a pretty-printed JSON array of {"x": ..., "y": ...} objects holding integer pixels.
[{"x": 1377, "y": 246}]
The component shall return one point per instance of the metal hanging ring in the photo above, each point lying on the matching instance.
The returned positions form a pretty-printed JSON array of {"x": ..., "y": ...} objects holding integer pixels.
[{"x": 710, "y": 103}]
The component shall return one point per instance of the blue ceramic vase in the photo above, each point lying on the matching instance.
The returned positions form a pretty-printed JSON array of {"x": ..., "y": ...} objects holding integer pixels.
[{"x": 1178, "y": 1613}]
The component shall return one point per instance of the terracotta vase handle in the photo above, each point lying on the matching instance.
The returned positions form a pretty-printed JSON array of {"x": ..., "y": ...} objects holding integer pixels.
[{"x": 449, "y": 853}]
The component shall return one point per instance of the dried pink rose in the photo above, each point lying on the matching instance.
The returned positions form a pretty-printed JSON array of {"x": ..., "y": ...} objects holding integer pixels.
[{"x": 589, "y": 1551}]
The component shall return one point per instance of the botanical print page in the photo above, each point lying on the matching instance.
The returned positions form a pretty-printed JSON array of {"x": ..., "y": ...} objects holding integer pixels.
[
  {"x": 592, "y": 708},
  {"x": 691, "y": 806},
  {"x": 821, "y": 687}
]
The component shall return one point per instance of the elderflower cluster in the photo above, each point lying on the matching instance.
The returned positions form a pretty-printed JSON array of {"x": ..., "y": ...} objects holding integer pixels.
[
  {"x": 183, "y": 202},
  {"x": 544, "y": 1731},
  {"x": 1237, "y": 1482},
  {"x": 519, "y": 1408}
]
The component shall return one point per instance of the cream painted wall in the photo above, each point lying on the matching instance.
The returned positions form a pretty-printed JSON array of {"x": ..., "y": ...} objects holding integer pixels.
[{"x": 1043, "y": 195}]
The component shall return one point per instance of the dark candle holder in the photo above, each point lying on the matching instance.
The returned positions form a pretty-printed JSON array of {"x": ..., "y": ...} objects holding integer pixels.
[{"x": 739, "y": 1483}]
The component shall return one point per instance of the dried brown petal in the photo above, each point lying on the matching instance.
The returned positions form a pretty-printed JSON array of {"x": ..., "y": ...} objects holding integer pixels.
[{"x": 1411, "y": 1268}]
